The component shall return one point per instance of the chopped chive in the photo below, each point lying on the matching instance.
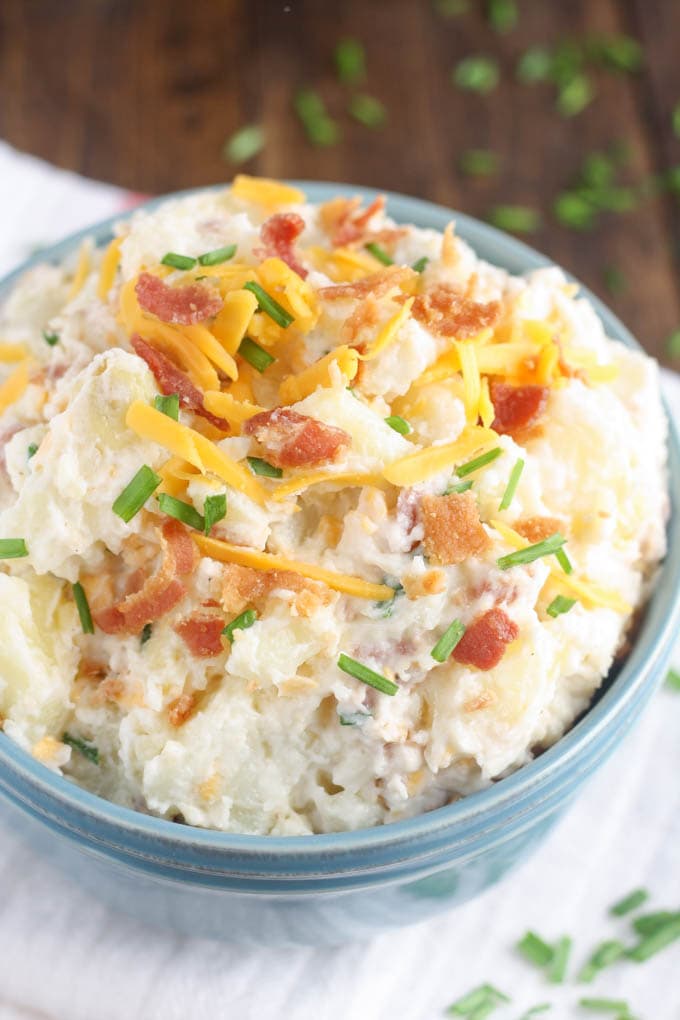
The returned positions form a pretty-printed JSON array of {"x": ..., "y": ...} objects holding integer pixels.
[
  {"x": 557, "y": 968},
  {"x": 575, "y": 96},
  {"x": 675, "y": 120},
  {"x": 50, "y": 338},
  {"x": 657, "y": 940},
  {"x": 547, "y": 547},
  {"x": 367, "y": 110},
  {"x": 479, "y": 163},
  {"x": 387, "y": 605},
  {"x": 319, "y": 127},
  {"x": 32, "y": 450},
  {"x": 564, "y": 561},
  {"x": 181, "y": 511},
  {"x": 241, "y": 622},
  {"x": 379, "y": 253},
  {"x": 135, "y": 494},
  {"x": 673, "y": 344},
  {"x": 255, "y": 355},
  {"x": 534, "y": 949},
  {"x": 83, "y": 608},
  {"x": 673, "y": 680},
  {"x": 448, "y": 641},
  {"x": 619, "y": 1006},
  {"x": 560, "y": 605},
  {"x": 630, "y": 902},
  {"x": 350, "y": 61},
  {"x": 264, "y": 468},
  {"x": 458, "y": 487},
  {"x": 603, "y": 956},
  {"x": 88, "y": 751},
  {"x": 147, "y": 630},
  {"x": 647, "y": 924},
  {"x": 218, "y": 255},
  {"x": 541, "y": 1007},
  {"x": 269, "y": 306},
  {"x": 244, "y": 144},
  {"x": 168, "y": 405},
  {"x": 502, "y": 15},
  {"x": 420, "y": 264},
  {"x": 513, "y": 482},
  {"x": 620, "y": 52},
  {"x": 534, "y": 65},
  {"x": 214, "y": 510},
  {"x": 353, "y": 718},
  {"x": 366, "y": 675},
  {"x": 171, "y": 258},
  {"x": 479, "y": 1002},
  {"x": 478, "y": 462},
  {"x": 399, "y": 424},
  {"x": 574, "y": 210},
  {"x": 518, "y": 219},
  {"x": 614, "y": 280},
  {"x": 476, "y": 74},
  {"x": 12, "y": 548}
]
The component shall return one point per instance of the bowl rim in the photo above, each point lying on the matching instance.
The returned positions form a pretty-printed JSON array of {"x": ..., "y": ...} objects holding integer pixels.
[{"x": 650, "y": 650}]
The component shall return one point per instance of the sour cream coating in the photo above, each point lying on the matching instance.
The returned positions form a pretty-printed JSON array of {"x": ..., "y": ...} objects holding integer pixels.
[{"x": 260, "y": 731}]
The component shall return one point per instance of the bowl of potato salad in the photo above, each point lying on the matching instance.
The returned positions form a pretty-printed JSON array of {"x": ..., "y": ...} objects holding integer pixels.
[{"x": 336, "y": 548}]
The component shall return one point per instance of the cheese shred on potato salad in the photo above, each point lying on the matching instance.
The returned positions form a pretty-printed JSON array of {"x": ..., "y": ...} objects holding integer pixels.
[{"x": 310, "y": 521}]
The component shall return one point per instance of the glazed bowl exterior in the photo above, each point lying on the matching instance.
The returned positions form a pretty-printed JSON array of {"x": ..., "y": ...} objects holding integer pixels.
[{"x": 333, "y": 888}]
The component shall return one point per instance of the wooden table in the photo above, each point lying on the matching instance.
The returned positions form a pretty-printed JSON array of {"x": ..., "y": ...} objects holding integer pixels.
[{"x": 144, "y": 94}]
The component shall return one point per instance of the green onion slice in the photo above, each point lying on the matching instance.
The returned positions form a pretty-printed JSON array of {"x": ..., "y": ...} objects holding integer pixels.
[
  {"x": 602, "y": 956},
  {"x": 214, "y": 510},
  {"x": 350, "y": 61},
  {"x": 479, "y": 1002},
  {"x": 547, "y": 547},
  {"x": 171, "y": 258},
  {"x": 32, "y": 450},
  {"x": 269, "y": 306},
  {"x": 458, "y": 487},
  {"x": 88, "y": 751},
  {"x": 83, "y": 608},
  {"x": 244, "y": 144},
  {"x": 564, "y": 561},
  {"x": 647, "y": 924},
  {"x": 255, "y": 355},
  {"x": 181, "y": 511},
  {"x": 673, "y": 679},
  {"x": 476, "y": 74},
  {"x": 619, "y": 1006},
  {"x": 399, "y": 424},
  {"x": 513, "y": 482},
  {"x": 12, "y": 548},
  {"x": 379, "y": 253},
  {"x": 134, "y": 496},
  {"x": 218, "y": 255},
  {"x": 147, "y": 630},
  {"x": 657, "y": 940},
  {"x": 518, "y": 219},
  {"x": 241, "y": 622},
  {"x": 168, "y": 405},
  {"x": 534, "y": 949},
  {"x": 558, "y": 965},
  {"x": 448, "y": 641},
  {"x": 560, "y": 605},
  {"x": 264, "y": 468},
  {"x": 366, "y": 675},
  {"x": 50, "y": 338},
  {"x": 420, "y": 264},
  {"x": 541, "y": 1007},
  {"x": 478, "y": 462},
  {"x": 367, "y": 110},
  {"x": 479, "y": 163},
  {"x": 630, "y": 902}
]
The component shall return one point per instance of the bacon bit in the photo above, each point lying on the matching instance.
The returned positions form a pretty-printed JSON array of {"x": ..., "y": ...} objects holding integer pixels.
[
  {"x": 483, "y": 643},
  {"x": 202, "y": 634},
  {"x": 160, "y": 593},
  {"x": 278, "y": 235},
  {"x": 171, "y": 379},
  {"x": 186, "y": 305},
  {"x": 482, "y": 700},
  {"x": 446, "y": 312},
  {"x": 378, "y": 284},
  {"x": 180, "y": 709},
  {"x": 387, "y": 237},
  {"x": 296, "y": 440},
  {"x": 430, "y": 583},
  {"x": 535, "y": 529},
  {"x": 344, "y": 222},
  {"x": 89, "y": 669},
  {"x": 516, "y": 407},
  {"x": 453, "y": 530},
  {"x": 407, "y": 516},
  {"x": 244, "y": 586},
  {"x": 366, "y": 315}
]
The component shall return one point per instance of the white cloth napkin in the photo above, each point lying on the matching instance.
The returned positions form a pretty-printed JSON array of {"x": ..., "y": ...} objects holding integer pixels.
[{"x": 63, "y": 955}]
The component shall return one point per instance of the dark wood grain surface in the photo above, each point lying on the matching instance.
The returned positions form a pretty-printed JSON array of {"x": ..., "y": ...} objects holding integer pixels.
[{"x": 144, "y": 94}]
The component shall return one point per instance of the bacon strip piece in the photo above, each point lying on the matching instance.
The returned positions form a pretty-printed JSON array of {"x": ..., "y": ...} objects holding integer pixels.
[
  {"x": 202, "y": 634},
  {"x": 279, "y": 234},
  {"x": 186, "y": 305},
  {"x": 171, "y": 379},
  {"x": 377, "y": 284},
  {"x": 538, "y": 528},
  {"x": 296, "y": 440},
  {"x": 345, "y": 222},
  {"x": 159, "y": 593},
  {"x": 483, "y": 643},
  {"x": 244, "y": 586},
  {"x": 517, "y": 407},
  {"x": 446, "y": 312},
  {"x": 453, "y": 530}
]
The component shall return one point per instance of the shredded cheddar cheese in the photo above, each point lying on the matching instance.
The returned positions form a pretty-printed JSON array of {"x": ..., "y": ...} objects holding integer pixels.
[
  {"x": 343, "y": 265},
  {"x": 297, "y": 387},
  {"x": 226, "y": 406},
  {"x": 205, "y": 342},
  {"x": 472, "y": 386},
  {"x": 12, "y": 352},
  {"x": 108, "y": 267},
  {"x": 389, "y": 331},
  {"x": 422, "y": 464},
  {"x": 265, "y": 192},
  {"x": 232, "y": 320},
  {"x": 344, "y": 479},
  {"x": 14, "y": 386}
]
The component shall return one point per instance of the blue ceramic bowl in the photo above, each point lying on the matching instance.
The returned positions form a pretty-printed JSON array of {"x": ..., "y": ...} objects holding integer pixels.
[{"x": 331, "y": 888}]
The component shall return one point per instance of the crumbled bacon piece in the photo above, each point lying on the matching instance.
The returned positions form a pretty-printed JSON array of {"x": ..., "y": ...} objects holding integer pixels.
[
  {"x": 279, "y": 234},
  {"x": 377, "y": 284},
  {"x": 446, "y": 312},
  {"x": 180, "y": 709},
  {"x": 365, "y": 316},
  {"x": 538, "y": 528},
  {"x": 344, "y": 220},
  {"x": 171, "y": 379},
  {"x": 483, "y": 643},
  {"x": 159, "y": 593},
  {"x": 517, "y": 407},
  {"x": 244, "y": 586},
  {"x": 185, "y": 305},
  {"x": 453, "y": 530},
  {"x": 202, "y": 634},
  {"x": 296, "y": 440}
]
